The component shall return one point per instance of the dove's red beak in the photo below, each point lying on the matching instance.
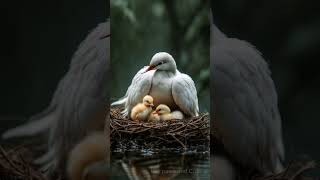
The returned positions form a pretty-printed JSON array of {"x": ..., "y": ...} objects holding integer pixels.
[{"x": 150, "y": 68}]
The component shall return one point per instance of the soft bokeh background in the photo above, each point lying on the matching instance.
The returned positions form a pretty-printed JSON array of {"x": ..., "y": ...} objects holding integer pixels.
[
  {"x": 38, "y": 39},
  {"x": 142, "y": 28},
  {"x": 288, "y": 35}
]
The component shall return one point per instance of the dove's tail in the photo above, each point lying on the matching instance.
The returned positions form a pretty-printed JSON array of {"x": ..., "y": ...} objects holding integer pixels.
[
  {"x": 120, "y": 102},
  {"x": 38, "y": 124}
]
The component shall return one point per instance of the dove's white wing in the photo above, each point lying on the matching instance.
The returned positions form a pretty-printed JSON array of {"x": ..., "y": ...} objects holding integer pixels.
[
  {"x": 140, "y": 87},
  {"x": 184, "y": 93}
]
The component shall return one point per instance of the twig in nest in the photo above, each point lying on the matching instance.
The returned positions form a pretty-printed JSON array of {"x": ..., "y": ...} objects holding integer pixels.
[
  {"x": 13, "y": 166},
  {"x": 184, "y": 146}
]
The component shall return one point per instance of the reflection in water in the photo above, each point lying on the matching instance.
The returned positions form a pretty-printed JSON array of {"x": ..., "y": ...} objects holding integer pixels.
[{"x": 161, "y": 165}]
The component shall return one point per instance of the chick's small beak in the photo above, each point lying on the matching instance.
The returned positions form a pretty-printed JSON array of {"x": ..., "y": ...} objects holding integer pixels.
[{"x": 149, "y": 105}]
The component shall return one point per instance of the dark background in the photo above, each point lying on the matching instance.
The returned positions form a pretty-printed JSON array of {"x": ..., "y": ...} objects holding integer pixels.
[
  {"x": 288, "y": 35},
  {"x": 38, "y": 39}
]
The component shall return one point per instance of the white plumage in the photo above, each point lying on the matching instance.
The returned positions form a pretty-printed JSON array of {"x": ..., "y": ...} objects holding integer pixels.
[{"x": 165, "y": 84}]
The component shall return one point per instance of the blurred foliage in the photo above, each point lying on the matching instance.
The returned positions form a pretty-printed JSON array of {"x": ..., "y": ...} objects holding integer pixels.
[{"x": 142, "y": 28}]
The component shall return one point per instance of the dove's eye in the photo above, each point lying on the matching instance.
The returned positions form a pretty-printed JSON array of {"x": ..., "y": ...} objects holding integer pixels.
[{"x": 161, "y": 62}]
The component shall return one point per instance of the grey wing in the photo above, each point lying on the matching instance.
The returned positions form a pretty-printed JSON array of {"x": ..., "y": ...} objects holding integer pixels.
[
  {"x": 42, "y": 121},
  {"x": 82, "y": 94},
  {"x": 245, "y": 106},
  {"x": 140, "y": 87},
  {"x": 184, "y": 93}
]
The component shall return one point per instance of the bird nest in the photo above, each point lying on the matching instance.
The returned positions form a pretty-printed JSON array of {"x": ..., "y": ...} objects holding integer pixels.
[
  {"x": 185, "y": 133},
  {"x": 16, "y": 164}
]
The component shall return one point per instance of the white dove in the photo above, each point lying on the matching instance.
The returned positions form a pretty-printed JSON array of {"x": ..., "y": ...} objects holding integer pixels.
[{"x": 162, "y": 80}]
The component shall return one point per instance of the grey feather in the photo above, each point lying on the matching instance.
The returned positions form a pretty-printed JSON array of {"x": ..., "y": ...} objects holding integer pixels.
[
  {"x": 45, "y": 158},
  {"x": 38, "y": 123},
  {"x": 245, "y": 104},
  {"x": 82, "y": 94},
  {"x": 222, "y": 168}
]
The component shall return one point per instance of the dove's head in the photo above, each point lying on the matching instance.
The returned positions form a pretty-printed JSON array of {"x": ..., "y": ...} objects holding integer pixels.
[
  {"x": 148, "y": 101},
  {"x": 162, "y": 109},
  {"x": 162, "y": 61}
]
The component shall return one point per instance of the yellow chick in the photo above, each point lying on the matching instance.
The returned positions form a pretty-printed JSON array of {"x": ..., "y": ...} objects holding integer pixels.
[
  {"x": 166, "y": 115},
  {"x": 141, "y": 111},
  {"x": 154, "y": 117},
  {"x": 87, "y": 158}
]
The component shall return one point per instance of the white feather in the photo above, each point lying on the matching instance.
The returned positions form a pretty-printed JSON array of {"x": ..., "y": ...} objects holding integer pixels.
[
  {"x": 184, "y": 93},
  {"x": 140, "y": 87}
]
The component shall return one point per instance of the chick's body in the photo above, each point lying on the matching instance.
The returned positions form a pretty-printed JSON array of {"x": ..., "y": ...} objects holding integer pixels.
[
  {"x": 166, "y": 115},
  {"x": 85, "y": 157},
  {"x": 154, "y": 117},
  {"x": 141, "y": 111}
]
